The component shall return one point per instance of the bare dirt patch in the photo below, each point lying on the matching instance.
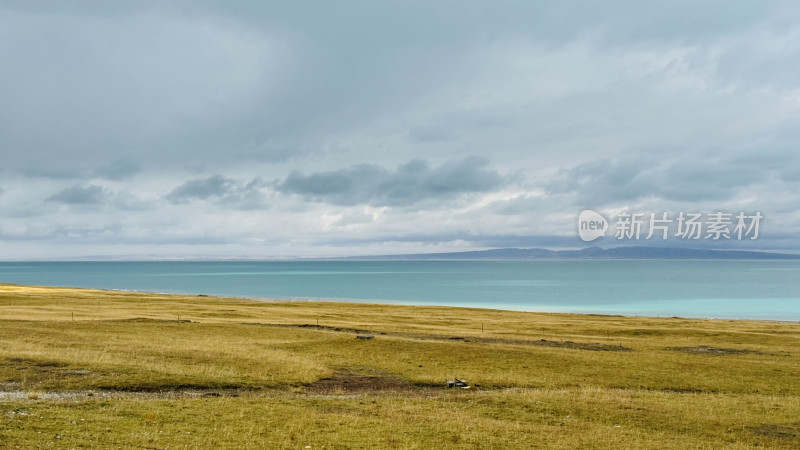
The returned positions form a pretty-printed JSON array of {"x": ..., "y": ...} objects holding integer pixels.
[
  {"x": 790, "y": 431},
  {"x": 348, "y": 382},
  {"x": 681, "y": 390},
  {"x": 592, "y": 346},
  {"x": 148, "y": 320},
  {"x": 714, "y": 351}
]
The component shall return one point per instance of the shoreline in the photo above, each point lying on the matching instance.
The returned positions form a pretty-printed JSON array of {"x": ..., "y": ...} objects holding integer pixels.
[{"x": 350, "y": 301}]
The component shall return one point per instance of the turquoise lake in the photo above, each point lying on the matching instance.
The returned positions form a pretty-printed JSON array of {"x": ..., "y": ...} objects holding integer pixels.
[{"x": 749, "y": 289}]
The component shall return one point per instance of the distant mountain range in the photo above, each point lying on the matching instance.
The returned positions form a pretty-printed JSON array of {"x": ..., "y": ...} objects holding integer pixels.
[{"x": 590, "y": 253}]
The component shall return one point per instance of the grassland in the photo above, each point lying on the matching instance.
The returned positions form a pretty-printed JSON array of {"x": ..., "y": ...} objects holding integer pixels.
[{"x": 101, "y": 369}]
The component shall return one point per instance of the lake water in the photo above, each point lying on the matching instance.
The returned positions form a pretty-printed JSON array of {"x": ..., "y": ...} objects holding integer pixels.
[{"x": 753, "y": 289}]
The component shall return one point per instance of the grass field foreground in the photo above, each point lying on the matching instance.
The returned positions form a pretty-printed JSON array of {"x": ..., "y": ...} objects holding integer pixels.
[{"x": 87, "y": 368}]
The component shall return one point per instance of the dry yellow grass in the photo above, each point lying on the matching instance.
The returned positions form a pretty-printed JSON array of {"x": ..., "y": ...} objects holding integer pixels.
[{"x": 164, "y": 371}]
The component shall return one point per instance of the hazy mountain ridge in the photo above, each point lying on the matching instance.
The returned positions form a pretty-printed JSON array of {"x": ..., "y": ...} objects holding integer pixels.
[{"x": 591, "y": 253}]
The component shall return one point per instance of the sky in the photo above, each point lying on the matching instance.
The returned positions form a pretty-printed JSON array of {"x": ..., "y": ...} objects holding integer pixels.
[{"x": 258, "y": 129}]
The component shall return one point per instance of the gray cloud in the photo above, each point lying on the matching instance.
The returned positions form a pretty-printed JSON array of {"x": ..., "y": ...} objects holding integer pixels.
[
  {"x": 222, "y": 190},
  {"x": 120, "y": 169},
  {"x": 604, "y": 180},
  {"x": 202, "y": 189},
  {"x": 412, "y": 182},
  {"x": 696, "y": 178},
  {"x": 80, "y": 195}
]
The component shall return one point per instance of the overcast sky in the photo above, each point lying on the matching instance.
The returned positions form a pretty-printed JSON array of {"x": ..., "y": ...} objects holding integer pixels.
[{"x": 262, "y": 129}]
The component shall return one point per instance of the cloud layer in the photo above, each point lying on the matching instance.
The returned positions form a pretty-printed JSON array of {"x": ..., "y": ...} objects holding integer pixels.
[
  {"x": 413, "y": 182},
  {"x": 268, "y": 128}
]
